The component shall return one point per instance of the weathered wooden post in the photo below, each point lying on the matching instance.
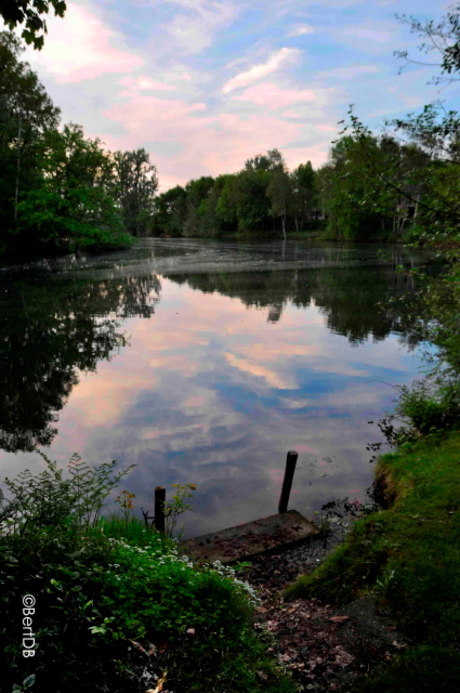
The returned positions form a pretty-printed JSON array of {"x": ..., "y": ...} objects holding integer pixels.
[
  {"x": 160, "y": 500},
  {"x": 291, "y": 462}
]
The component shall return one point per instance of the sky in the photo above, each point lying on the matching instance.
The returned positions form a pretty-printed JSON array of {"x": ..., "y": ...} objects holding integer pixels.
[{"x": 204, "y": 85}]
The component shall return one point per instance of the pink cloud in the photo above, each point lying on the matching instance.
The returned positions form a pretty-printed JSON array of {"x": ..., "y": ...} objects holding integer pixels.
[
  {"x": 83, "y": 47},
  {"x": 271, "y": 96},
  {"x": 291, "y": 114},
  {"x": 326, "y": 128},
  {"x": 278, "y": 60},
  {"x": 144, "y": 84},
  {"x": 212, "y": 144}
]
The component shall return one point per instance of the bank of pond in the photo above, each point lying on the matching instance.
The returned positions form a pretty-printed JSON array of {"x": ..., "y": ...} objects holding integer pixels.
[{"x": 110, "y": 605}]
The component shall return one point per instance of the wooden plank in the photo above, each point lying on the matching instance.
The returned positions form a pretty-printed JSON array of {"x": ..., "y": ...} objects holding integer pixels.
[{"x": 250, "y": 539}]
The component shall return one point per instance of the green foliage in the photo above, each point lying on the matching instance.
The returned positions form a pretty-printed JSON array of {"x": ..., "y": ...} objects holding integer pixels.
[
  {"x": 103, "y": 584},
  {"x": 364, "y": 184},
  {"x": 430, "y": 406},
  {"x": 31, "y": 13},
  {"x": 261, "y": 200},
  {"x": 134, "y": 185},
  {"x": 48, "y": 499},
  {"x": 59, "y": 190},
  {"x": 422, "y": 669},
  {"x": 27, "y": 114},
  {"x": 410, "y": 555},
  {"x": 177, "y": 506},
  {"x": 73, "y": 206}
]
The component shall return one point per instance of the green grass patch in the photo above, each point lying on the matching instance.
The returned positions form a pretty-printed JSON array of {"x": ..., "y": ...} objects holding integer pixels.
[{"x": 410, "y": 555}]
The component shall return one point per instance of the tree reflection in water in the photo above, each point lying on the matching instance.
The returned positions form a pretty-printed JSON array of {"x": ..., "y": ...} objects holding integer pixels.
[
  {"x": 358, "y": 301},
  {"x": 49, "y": 331}
]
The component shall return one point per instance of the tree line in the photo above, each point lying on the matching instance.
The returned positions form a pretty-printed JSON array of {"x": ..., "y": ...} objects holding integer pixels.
[
  {"x": 255, "y": 201},
  {"x": 371, "y": 188},
  {"x": 403, "y": 184},
  {"x": 58, "y": 188}
]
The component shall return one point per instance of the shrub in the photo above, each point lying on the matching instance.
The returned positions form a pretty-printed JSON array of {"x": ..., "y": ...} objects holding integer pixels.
[
  {"x": 430, "y": 406},
  {"x": 117, "y": 606}
]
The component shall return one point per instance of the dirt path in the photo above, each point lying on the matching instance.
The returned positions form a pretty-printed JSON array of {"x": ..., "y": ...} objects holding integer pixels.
[{"x": 326, "y": 648}]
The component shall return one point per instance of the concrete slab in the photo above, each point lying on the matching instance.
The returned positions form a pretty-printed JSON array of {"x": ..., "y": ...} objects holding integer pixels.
[{"x": 252, "y": 538}]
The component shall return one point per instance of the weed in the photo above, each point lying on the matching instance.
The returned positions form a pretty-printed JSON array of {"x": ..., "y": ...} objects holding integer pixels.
[
  {"x": 104, "y": 585},
  {"x": 178, "y": 506}
]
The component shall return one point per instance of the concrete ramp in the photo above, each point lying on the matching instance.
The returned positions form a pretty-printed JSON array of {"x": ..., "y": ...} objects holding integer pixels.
[{"x": 252, "y": 538}]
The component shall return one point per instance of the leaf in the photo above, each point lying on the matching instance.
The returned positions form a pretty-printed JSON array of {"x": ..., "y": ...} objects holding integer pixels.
[
  {"x": 344, "y": 658},
  {"x": 28, "y": 682},
  {"x": 339, "y": 619}
]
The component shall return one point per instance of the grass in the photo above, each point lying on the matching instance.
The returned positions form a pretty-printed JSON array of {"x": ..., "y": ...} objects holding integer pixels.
[{"x": 409, "y": 555}]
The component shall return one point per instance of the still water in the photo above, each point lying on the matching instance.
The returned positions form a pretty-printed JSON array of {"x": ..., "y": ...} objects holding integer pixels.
[{"x": 205, "y": 362}]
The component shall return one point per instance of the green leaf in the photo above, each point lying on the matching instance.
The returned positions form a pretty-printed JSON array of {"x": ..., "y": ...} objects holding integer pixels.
[{"x": 28, "y": 682}]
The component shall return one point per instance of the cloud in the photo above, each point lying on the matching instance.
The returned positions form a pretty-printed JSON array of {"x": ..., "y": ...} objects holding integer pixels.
[
  {"x": 212, "y": 143},
  {"x": 278, "y": 60},
  {"x": 292, "y": 114},
  {"x": 82, "y": 47},
  {"x": 302, "y": 30},
  {"x": 144, "y": 84},
  {"x": 272, "y": 378},
  {"x": 271, "y": 96},
  {"x": 194, "y": 31}
]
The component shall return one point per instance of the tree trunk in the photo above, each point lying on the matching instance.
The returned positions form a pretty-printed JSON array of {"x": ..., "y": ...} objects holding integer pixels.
[{"x": 18, "y": 167}]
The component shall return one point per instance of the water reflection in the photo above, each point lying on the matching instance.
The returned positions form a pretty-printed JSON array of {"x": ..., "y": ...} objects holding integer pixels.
[
  {"x": 251, "y": 351},
  {"x": 358, "y": 302},
  {"x": 49, "y": 332}
]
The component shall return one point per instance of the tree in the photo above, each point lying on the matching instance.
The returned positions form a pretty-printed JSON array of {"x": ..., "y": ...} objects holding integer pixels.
[
  {"x": 27, "y": 114},
  {"x": 442, "y": 38},
  {"x": 435, "y": 131},
  {"x": 197, "y": 192},
  {"x": 304, "y": 193},
  {"x": 170, "y": 209},
  {"x": 136, "y": 183},
  {"x": 270, "y": 161},
  {"x": 251, "y": 202},
  {"x": 31, "y": 13},
  {"x": 357, "y": 204},
  {"x": 279, "y": 192},
  {"x": 73, "y": 206},
  {"x": 226, "y": 206}
]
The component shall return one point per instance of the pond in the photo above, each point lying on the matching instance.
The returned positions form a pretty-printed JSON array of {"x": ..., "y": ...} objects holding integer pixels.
[{"x": 204, "y": 362}]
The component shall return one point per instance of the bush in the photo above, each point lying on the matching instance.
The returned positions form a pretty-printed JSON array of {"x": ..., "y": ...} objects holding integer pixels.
[
  {"x": 430, "y": 406},
  {"x": 117, "y": 606}
]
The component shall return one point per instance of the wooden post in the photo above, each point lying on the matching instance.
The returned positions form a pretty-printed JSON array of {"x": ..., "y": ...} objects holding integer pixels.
[
  {"x": 160, "y": 500},
  {"x": 291, "y": 461}
]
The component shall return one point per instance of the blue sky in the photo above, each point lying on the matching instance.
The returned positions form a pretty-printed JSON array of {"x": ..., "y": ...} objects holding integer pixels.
[{"x": 204, "y": 85}]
